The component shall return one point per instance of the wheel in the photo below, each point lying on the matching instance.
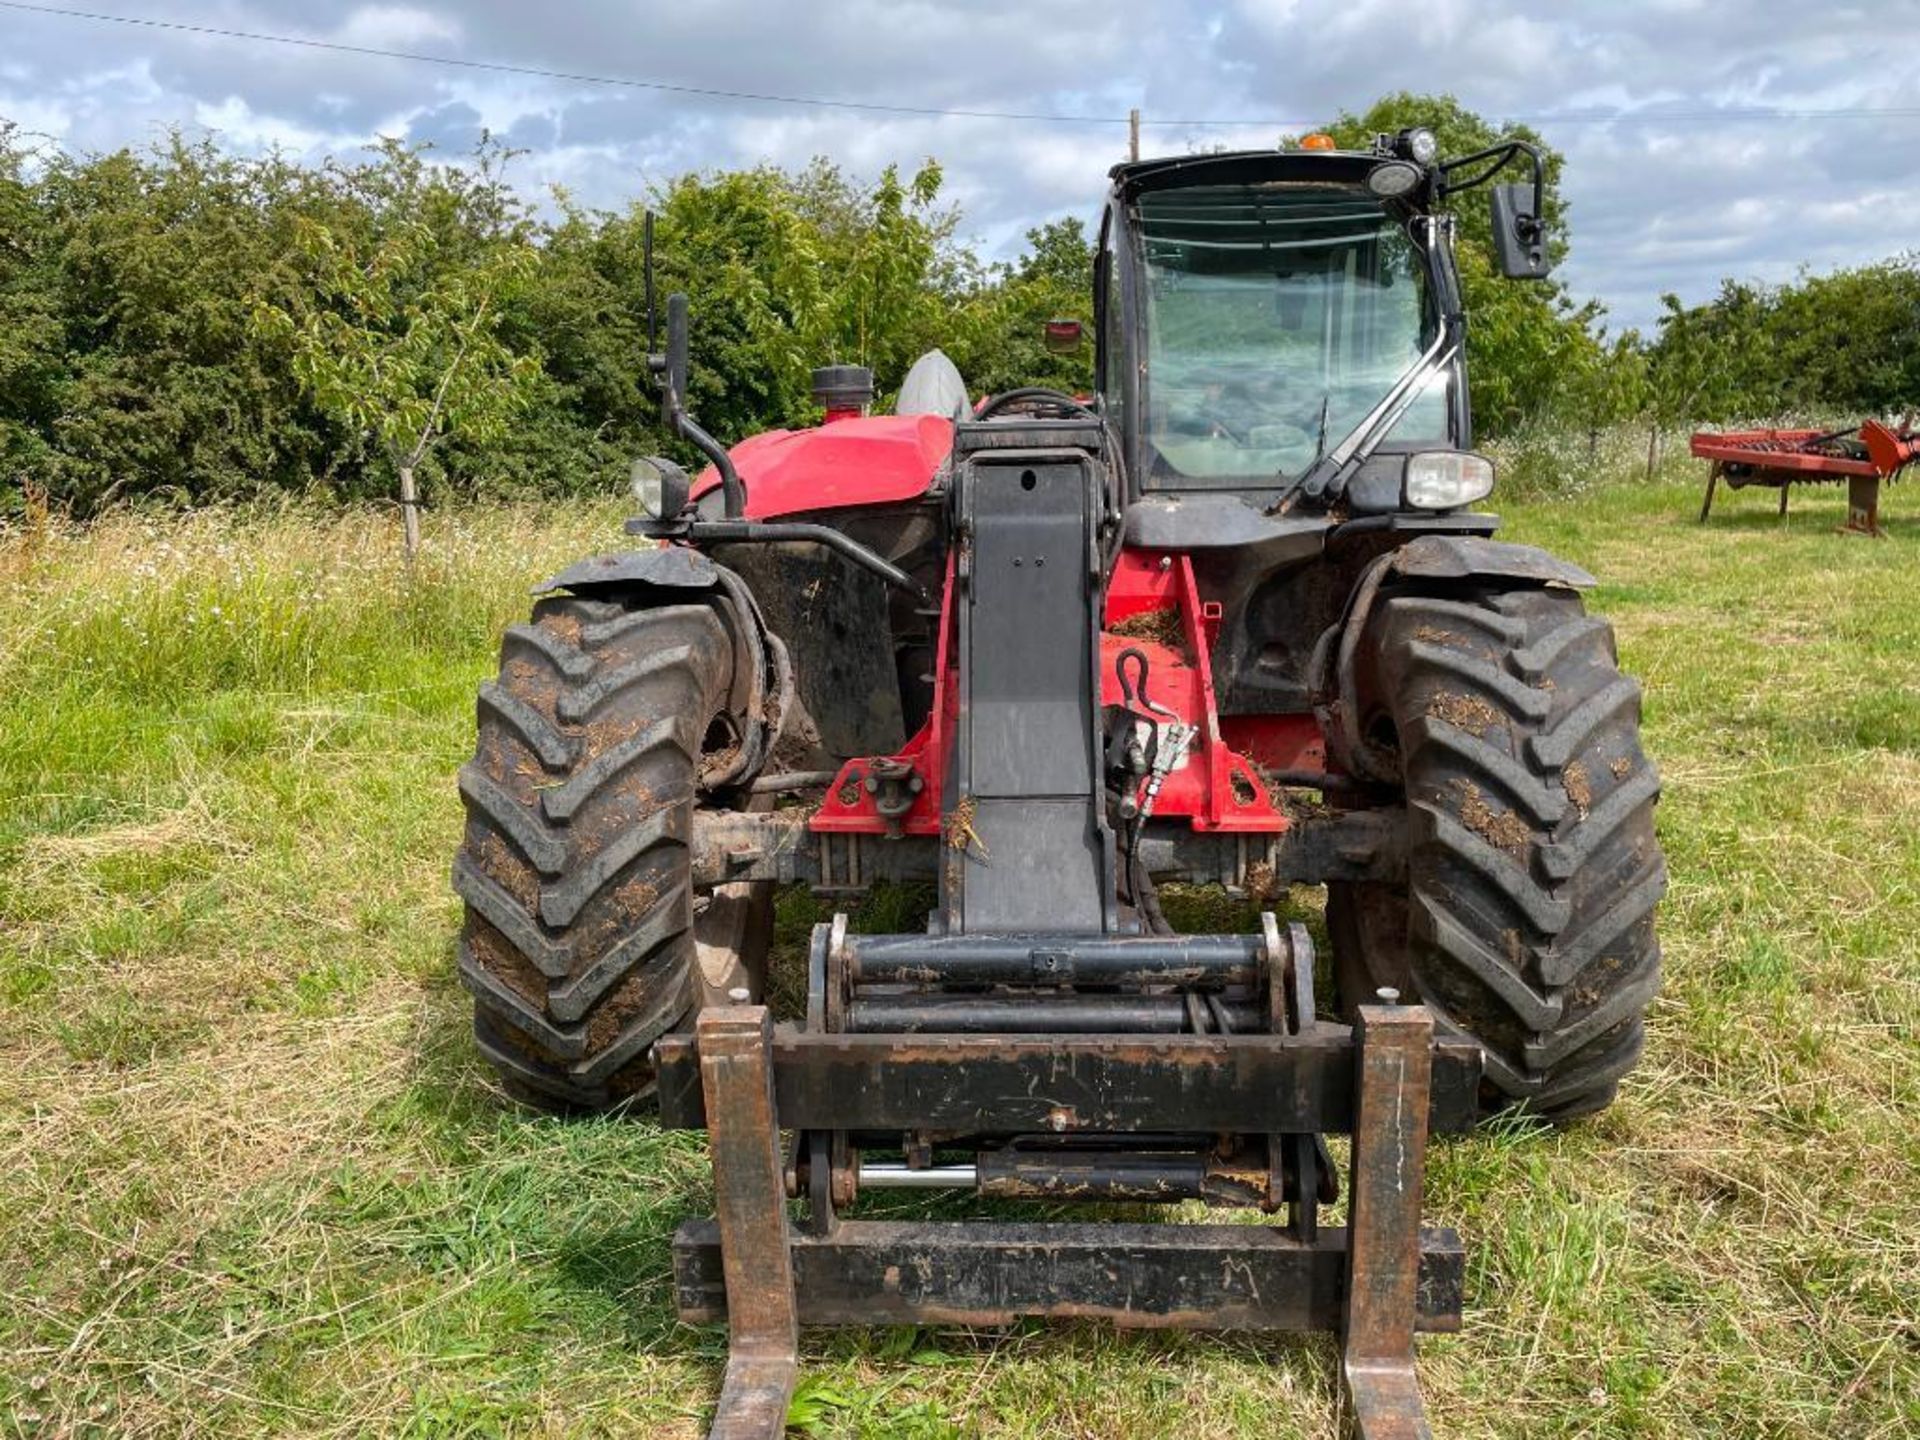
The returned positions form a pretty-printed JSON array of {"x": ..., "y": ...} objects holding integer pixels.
[
  {"x": 1527, "y": 918},
  {"x": 579, "y": 943}
]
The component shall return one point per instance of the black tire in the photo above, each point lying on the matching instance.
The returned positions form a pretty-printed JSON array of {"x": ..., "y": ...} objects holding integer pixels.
[
  {"x": 578, "y": 944},
  {"x": 1527, "y": 921}
]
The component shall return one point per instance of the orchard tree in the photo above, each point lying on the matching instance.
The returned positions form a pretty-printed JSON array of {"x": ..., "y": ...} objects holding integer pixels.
[{"x": 398, "y": 334}]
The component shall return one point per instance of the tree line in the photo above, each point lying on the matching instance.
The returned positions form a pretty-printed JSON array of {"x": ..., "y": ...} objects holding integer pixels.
[{"x": 195, "y": 324}]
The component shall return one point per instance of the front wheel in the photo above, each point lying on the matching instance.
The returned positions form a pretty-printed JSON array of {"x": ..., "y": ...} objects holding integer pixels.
[
  {"x": 1527, "y": 919},
  {"x": 584, "y": 940}
]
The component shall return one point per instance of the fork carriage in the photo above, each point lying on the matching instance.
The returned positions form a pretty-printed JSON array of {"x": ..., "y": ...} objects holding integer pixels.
[{"x": 1173, "y": 1072}]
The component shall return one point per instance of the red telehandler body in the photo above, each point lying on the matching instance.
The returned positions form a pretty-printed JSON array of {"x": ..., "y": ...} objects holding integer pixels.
[{"x": 1232, "y": 621}]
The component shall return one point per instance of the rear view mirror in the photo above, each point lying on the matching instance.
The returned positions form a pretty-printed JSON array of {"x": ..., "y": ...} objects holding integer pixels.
[
  {"x": 1063, "y": 336},
  {"x": 1519, "y": 236},
  {"x": 675, "y": 396}
]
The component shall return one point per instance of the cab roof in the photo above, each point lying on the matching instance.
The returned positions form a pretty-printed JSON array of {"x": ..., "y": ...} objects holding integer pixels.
[{"x": 1241, "y": 167}]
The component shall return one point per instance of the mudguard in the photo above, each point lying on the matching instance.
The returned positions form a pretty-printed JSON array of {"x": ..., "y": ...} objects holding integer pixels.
[
  {"x": 1473, "y": 557},
  {"x": 1331, "y": 671},
  {"x": 669, "y": 565},
  {"x": 761, "y": 694}
]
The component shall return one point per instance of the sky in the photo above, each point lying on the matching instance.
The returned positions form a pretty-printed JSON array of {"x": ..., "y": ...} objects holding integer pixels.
[{"x": 1703, "y": 140}]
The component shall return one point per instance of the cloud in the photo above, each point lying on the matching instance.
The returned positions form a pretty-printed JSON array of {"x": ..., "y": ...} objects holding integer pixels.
[{"x": 1662, "y": 201}]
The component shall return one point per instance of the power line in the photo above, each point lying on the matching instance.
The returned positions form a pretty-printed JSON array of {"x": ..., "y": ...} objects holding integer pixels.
[
  {"x": 627, "y": 82},
  {"x": 1729, "y": 113}
]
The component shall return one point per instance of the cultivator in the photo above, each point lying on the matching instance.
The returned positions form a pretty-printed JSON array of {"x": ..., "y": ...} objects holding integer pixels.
[{"x": 1859, "y": 456}]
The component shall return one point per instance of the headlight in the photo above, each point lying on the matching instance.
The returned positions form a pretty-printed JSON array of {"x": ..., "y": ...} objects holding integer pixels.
[
  {"x": 659, "y": 488},
  {"x": 1447, "y": 479},
  {"x": 1418, "y": 145}
]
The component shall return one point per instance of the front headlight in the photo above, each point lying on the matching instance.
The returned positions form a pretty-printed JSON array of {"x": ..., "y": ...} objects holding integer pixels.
[
  {"x": 1447, "y": 479},
  {"x": 659, "y": 488}
]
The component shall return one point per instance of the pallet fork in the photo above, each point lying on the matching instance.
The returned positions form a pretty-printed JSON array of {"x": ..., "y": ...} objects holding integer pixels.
[
  {"x": 1376, "y": 1281},
  {"x": 1065, "y": 1050}
]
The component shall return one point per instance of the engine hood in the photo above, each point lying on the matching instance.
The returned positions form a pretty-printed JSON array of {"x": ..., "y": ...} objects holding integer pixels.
[{"x": 870, "y": 460}]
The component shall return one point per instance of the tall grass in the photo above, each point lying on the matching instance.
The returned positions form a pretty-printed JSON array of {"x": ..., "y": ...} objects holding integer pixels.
[
  {"x": 1556, "y": 462},
  {"x": 252, "y": 1180}
]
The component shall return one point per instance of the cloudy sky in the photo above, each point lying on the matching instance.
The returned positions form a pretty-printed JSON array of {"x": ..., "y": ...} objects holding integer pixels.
[{"x": 1682, "y": 167}]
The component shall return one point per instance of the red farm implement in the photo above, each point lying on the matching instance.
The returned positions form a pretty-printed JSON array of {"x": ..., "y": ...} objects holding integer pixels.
[{"x": 1862, "y": 456}]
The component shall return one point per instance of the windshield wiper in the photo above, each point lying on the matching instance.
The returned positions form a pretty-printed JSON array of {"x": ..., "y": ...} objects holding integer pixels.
[
  {"x": 1320, "y": 436},
  {"x": 1329, "y": 473}
]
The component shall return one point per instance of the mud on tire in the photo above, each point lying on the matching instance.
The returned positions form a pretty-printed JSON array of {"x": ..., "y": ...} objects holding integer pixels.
[
  {"x": 1527, "y": 922},
  {"x": 578, "y": 943}
]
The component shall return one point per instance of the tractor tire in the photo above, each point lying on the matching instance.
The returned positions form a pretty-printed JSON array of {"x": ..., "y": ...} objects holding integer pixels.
[
  {"x": 579, "y": 943},
  {"x": 1527, "y": 920}
]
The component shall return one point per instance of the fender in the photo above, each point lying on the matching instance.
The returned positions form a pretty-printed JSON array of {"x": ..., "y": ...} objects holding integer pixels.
[
  {"x": 1431, "y": 557},
  {"x": 761, "y": 696},
  {"x": 1474, "y": 557},
  {"x": 673, "y": 566}
]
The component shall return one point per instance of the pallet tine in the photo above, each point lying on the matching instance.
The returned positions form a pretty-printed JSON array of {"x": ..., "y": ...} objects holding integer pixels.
[
  {"x": 1393, "y": 1078},
  {"x": 736, "y": 1074}
]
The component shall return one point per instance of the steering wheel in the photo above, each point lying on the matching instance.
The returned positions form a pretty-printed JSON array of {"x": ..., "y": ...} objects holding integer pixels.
[
  {"x": 1197, "y": 420},
  {"x": 1039, "y": 401}
]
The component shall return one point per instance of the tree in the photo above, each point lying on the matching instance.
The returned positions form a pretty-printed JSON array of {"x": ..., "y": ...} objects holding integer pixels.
[
  {"x": 398, "y": 336},
  {"x": 789, "y": 271},
  {"x": 999, "y": 339},
  {"x": 32, "y": 352},
  {"x": 1845, "y": 343}
]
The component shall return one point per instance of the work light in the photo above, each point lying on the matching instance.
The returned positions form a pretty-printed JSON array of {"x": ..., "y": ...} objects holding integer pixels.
[
  {"x": 1447, "y": 479},
  {"x": 659, "y": 487},
  {"x": 1418, "y": 145}
]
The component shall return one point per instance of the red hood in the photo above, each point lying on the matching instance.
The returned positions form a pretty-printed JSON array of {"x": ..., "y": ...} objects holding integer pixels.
[{"x": 871, "y": 460}]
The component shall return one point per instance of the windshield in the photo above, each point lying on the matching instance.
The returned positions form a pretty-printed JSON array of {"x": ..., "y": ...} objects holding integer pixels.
[{"x": 1274, "y": 313}]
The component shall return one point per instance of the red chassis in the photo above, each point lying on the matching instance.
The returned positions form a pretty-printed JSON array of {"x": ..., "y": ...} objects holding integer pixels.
[{"x": 1226, "y": 783}]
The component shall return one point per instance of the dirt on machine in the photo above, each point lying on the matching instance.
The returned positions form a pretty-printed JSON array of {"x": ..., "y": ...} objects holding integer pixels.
[{"x": 1237, "y": 619}]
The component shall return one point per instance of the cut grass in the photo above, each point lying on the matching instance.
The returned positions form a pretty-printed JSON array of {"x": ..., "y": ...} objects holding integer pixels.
[{"x": 252, "y": 1179}]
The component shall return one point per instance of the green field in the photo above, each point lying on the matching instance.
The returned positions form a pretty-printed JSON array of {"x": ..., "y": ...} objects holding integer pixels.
[{"x": 253, "y": 1181}]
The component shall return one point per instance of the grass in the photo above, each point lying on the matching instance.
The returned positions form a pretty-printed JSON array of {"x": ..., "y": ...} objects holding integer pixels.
[{"x": 253, "y": 1181}]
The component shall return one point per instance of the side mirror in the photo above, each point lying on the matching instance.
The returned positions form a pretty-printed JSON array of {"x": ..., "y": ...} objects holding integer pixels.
[
  {"x": 1063, "y": 336},
  {"x": 1519, "y": 235},
  {"x": 673, "y": 396}
]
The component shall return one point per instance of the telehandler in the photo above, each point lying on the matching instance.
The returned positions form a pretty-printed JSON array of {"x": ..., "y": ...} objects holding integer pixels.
[{"x": 1235, "y": 619}]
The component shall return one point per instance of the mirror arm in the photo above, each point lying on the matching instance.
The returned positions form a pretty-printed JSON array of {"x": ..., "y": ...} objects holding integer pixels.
[
  {"x": 1500, "y": 156},
  {"x": 689, "y": 429},
  {"x": 670, "y": 372}
]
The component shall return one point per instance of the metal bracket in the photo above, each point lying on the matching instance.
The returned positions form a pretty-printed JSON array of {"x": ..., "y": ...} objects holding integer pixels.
[
  {"x": 736, "y": 1072},
  {"x": 1393, "y": 1074}
]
